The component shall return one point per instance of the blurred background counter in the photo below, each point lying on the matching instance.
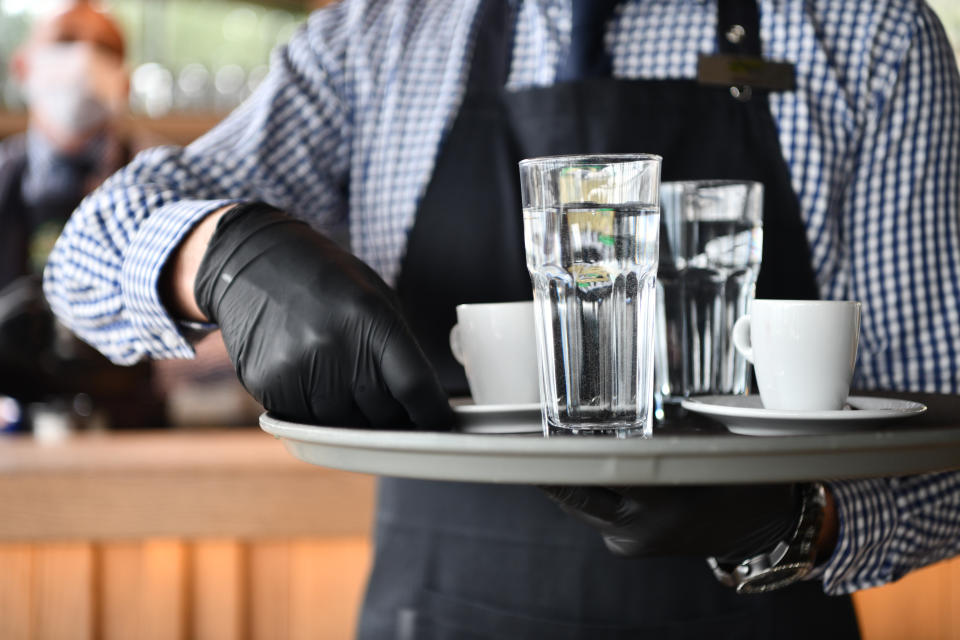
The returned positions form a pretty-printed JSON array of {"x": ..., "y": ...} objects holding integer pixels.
[{"x": 177, "y": 534}]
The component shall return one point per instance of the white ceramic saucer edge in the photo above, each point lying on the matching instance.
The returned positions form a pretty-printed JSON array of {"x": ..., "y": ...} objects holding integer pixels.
[
  {"x": 495, "y": 408},
  {"x": 745, "y": 415},
  {"x": 499, "y": 418}
]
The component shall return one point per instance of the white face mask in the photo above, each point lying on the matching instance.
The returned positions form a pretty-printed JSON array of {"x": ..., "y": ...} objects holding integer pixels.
[{"x": 75, "y": 87}]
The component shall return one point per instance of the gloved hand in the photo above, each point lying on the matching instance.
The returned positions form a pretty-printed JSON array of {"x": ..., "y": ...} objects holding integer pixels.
[
  {"x": 314, "y": 334},
  {"x": 730, "y": 523}
]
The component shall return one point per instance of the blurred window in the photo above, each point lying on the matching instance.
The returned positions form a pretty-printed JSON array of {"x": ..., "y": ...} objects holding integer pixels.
[
  {"x": 185, "y": 55},
  {"x": 949, "y": 12}
]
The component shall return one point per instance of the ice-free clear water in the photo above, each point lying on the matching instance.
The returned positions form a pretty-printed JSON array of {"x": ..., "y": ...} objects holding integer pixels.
[
  {"x": 593, "y": 269},
  {"x": 707, "y": 275}
]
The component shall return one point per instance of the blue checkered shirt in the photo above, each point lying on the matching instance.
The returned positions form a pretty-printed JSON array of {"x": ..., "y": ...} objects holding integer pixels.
[{"x": 347, "y": 125}]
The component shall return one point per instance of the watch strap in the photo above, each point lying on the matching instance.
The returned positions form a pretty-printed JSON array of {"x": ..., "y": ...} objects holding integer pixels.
[{"x": 789, "y": 561}]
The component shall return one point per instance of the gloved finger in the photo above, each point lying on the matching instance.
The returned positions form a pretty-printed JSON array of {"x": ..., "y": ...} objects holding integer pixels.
[
  {"x": 595, "y": 505},
  {"x": 344, "y": 415},
  {"x": 309, "y": 408},
  {"x": 335, "y": 410},
  {"x": 380, "y": 408},
  {"x": 411, "y": 380}
]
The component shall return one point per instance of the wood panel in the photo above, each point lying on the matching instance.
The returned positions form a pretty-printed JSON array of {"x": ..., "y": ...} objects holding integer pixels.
[
  {"x": 327, "y": 583},
  {"x": 953, "y": 604},
  {"x": 185, "y": 484},
  {"x": 292, "y": 589},
  {"x": 118, "y": 590},
  {"x": 921, "y": 605},
  {"x": 164, "y": 590},
  {"x": 16, "y": 590},
  {"x": 218, "y": 575},
  {"x": 63, "y": 591},
  {"x": 269, "y": 587}
]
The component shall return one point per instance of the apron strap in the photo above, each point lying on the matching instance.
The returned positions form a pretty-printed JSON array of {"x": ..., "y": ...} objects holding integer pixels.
[
  {"x": 493, "y": 45},
  {"x": 587, "y": 57},
  {"x": 738, "y": 27}
]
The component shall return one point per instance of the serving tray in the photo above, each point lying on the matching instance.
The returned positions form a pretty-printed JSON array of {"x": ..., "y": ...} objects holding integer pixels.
[{"x": 690, "y": 451}]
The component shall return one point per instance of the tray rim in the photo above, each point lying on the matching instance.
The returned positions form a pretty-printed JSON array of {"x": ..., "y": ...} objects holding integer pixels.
[
  {"x": 699, "y": 445},
  {"x": 593, "y": 460}
]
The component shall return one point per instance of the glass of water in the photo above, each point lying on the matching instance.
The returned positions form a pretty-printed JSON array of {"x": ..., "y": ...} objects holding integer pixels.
[
  {"x": 591, "y": 227},
  {"x": 711, "y": 239}
]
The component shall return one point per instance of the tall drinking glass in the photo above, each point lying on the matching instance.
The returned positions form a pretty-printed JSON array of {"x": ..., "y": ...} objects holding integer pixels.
[
  {"x": 710, "y": 245},
  {"x": 591, "y": 226}
]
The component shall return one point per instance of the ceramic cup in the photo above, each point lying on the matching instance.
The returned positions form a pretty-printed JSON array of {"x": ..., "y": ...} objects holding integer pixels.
[
  {"x": 496, "y": 344},
  {"x": 803, "y": 351}
]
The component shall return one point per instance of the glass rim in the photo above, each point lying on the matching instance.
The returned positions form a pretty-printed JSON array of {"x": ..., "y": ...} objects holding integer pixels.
[{"x": 592, "y": 158}]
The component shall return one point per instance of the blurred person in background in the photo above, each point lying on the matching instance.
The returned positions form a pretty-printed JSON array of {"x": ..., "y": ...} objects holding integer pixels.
[{"x": 72, "y": 73}]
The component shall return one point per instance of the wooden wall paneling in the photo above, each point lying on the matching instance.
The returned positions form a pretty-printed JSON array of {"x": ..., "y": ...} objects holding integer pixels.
[
  {"x": 118, "y": 591},
  {"x": 327, "y": 583},
  {"x": 268, "y": 615},
  {"x": 310, "y": 614},
  {"x": 63, "y": 591},
  {"x": 218, "y": 574},
  {"x": 16, "y": 591},
  {"x": 917, "y": 606},
  {"x": 164, "y": 590},
  {"x": 186, "y": 502},
  {"x": 145, "y": 485},
  {"x": 953, "y": 598}
]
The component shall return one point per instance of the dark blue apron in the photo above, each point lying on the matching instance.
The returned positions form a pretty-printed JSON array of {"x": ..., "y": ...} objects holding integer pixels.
[{"x": 472, "y": 561}]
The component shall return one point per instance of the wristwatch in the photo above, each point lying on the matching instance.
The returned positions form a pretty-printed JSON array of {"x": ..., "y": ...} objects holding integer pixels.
[{"x": 789, "y": 561}]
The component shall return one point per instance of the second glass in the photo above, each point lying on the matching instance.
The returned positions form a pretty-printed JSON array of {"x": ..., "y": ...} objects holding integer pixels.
[
  {"x": 710, "y": 247},
  {"x": 591, "y": 227}
]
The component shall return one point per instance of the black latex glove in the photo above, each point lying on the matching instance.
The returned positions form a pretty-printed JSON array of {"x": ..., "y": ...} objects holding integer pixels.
[
  {"x": 314, "y": 334},
  {"x": 730, "y": 523}
]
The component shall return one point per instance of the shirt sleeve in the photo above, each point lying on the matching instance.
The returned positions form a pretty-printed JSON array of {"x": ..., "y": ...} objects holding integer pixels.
[
  {"x": 287, "y": 145},
  {"x": 904, "y": 246}
]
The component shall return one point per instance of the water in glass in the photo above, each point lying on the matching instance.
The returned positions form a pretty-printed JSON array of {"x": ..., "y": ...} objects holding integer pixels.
[
  {"x": 593, "y": 268},
  {"x": 709, "y": 263}
]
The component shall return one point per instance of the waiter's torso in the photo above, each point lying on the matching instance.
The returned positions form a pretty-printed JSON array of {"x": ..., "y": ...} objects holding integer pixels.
[{"x": 483, "y": 561}]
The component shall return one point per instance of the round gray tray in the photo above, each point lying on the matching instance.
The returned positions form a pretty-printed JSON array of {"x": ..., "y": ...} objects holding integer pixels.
[{"x": 697, "y": 456}]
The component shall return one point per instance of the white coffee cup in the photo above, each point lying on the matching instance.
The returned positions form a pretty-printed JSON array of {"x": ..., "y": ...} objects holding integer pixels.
[
  {"x": 496, "y": 344},
  {"x": 803, "y": 351}
]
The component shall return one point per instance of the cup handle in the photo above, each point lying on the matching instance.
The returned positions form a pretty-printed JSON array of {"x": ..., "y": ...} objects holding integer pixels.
[
  {"x": 741, "y": 337},
  {"x": 455, "y": 346}
]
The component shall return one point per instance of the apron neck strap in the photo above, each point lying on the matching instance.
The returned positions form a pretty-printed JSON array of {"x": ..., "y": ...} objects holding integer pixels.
[
  {"x": 493, "y": 44},
  {"x": 738, "y": 27},
  {"x": 586, "y": 56},
  {"x": 738, "y": 32}
]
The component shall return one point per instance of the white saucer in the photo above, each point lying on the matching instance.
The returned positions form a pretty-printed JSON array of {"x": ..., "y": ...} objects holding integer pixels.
[
  {"x": 499, "y": 418},
  {"x": 746, "y": 415}
]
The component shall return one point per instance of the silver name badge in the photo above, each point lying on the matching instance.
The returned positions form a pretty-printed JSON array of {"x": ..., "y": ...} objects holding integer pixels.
[{"x": 750, "y": 71}]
